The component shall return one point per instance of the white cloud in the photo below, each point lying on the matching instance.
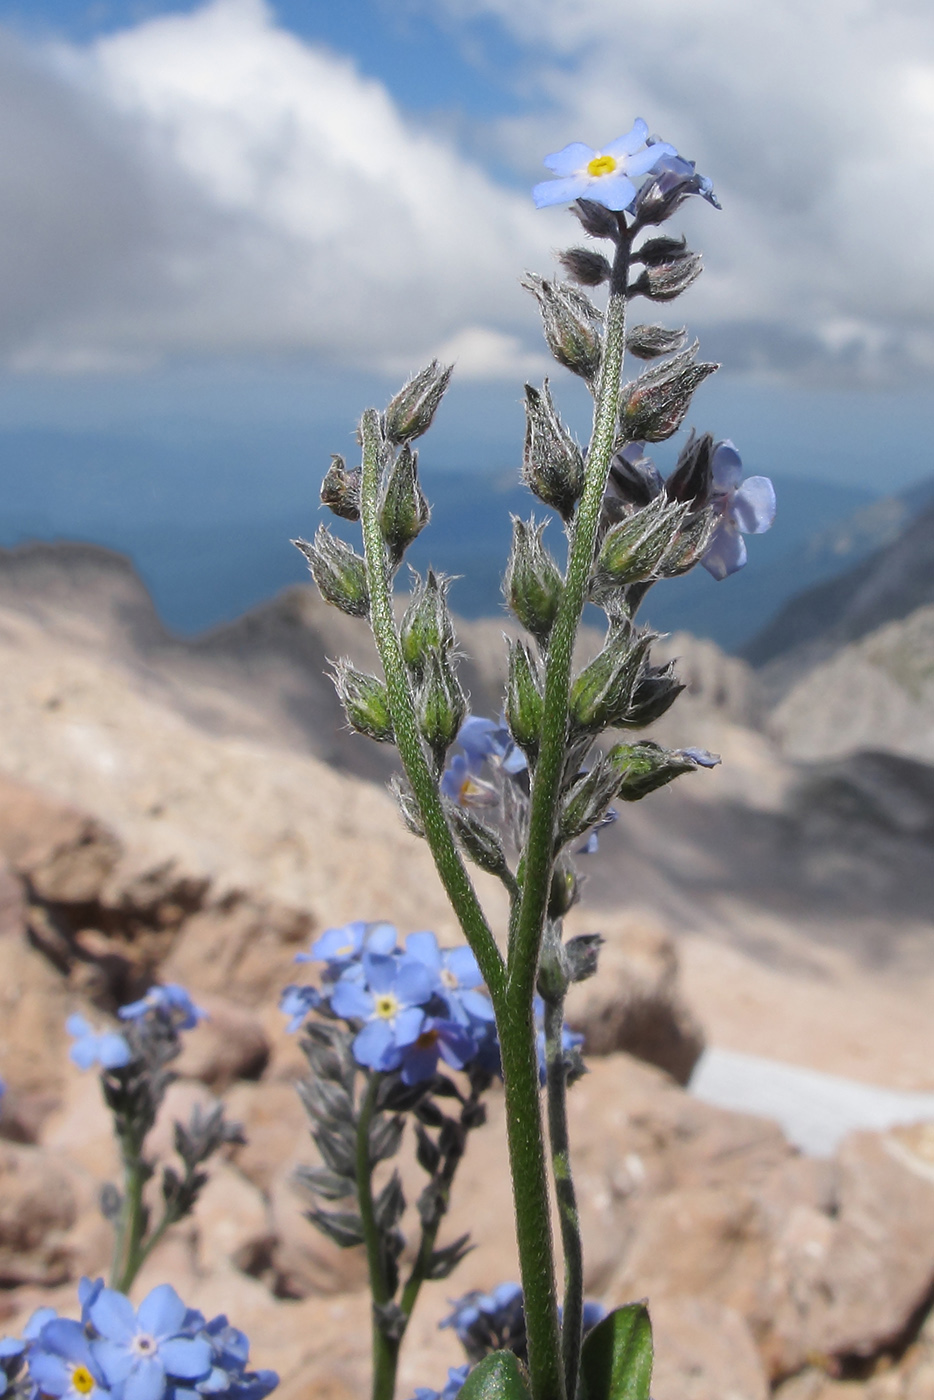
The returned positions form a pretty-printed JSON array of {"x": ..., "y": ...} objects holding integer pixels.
[{"x": 253, "y": 193}]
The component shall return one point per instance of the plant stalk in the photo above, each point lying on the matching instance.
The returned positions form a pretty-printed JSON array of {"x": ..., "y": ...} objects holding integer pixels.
[
  {"x": 385, "y": 1349},
  {"x": 572, "y": 1321}
]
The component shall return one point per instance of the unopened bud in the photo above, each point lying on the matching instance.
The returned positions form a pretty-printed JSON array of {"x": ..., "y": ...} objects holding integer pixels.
[
  {"x": 690, "y": 544},
  {"x": 586, "y": 801},
  {"x": 525, "y": 705},
  {"x": 667, "y": 190},
  {"x": 601, "y": 695},
  {"x": 440, "y": 704},
  {"x": 596, "y": 219},
  {"x": 661, "y": 250},
  {"x": 340, "y": 489},
  {"x": 655, "y": 692},
  {"x": 654, "y": 405},
  {"x": 668, "y": 280},
  {"x": 647, "y": 766},
  {"x": 583, "y": 954},
  {"x": 564, "y": 891},
  {"x": 585, "y": 267},
  {"x": 647, "y": 342},
  {"x": 533, "y": 584},
  {"x": 553, "y": 979},
  {"x": 339, "y": 572},
  {"x": 403, "y": 511},
  {"x": 477, "y": 840},
  {"x": 410, "y": 413},
  {"x": 552, "y": 463},
  {"x": 633, "y": 550},
  {"x": 571, "y": 322},
  {"x": 365, "y": 702},
  {"x": 426, "y": 624}
]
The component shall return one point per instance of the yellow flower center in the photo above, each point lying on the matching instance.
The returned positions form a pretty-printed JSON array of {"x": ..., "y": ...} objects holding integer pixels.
[
  {"x": 387, "y": 1006},
  {"x": 345, "y": 952},
  {"x": 82, "y": 1380},
  {"x": 601, "y": 165},
  {"x": 448, "y": 979}
]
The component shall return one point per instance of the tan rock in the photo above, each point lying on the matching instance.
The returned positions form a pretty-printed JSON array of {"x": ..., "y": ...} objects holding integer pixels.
[
  {"x": 240, "y": 948},
  {"x": 275, "y": 1127},
  {"x": 229, "y": 1045},
  {"x": 50, "y": 1230},
  {"x": 634, "y": 1003},
  {"x": 303, "y": 1261},
  {"x": 66, "y": 854},
  {"x": 231, "y": 1221},
  {"x": 703, "y": 1351},
  {"x": 34, "y": 1004}
]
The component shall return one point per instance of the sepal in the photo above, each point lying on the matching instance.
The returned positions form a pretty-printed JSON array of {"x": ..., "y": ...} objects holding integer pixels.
[
  {"x": 645, "y": 767},
  {"x": 365, "y": 702},
  {"x": 596, "y": 219},
  {"x": 499, "y": 1376},
  {"x": 584, "y": 266},
  {"x": 572, "y": 325},
  {"x": 655, "y": 692},
  {"x": 602, "y": 694},
  {"x": 339, "y": 572},
  {"x": 426, "y": 626},
  {"x": 653, "y": 406},
  {"x": 410, "y": 413},
  {"x": 552, "y": 462},
  {"x": 647, "y": 342},
  {"x": 525, "y": 703},
  {"x": 478, "y": 841},
  {"x": 440, "y": 704},
  {"x": 586, "y": 801},
  {"x": 665, "y": 281},
  {"x": 634, "y": 549},
  {"x": 583, "y": 954}
]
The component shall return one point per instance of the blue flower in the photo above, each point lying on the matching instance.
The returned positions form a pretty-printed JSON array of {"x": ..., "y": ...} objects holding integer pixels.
[
  {"x": 171, "y": 1001},
  {"x": 674, "y": 178},
  {"x": 745, "y": 508},
  {"x": 105, "y": 1048},
  {"x": 487, "y": 739},
  {"x": 460, "y": 783},
  {"x": 437, "y": 1039},
  {"x": 456, "y": 1377},
  {"x": 390, "y": 999},
  {"x": 604, "y": 176},
  {"x": 140, "y": 1351},
  {"x": 702, "y": 757},
  {"x": 339, "y": 947},
  {"x": 62, "y": 1364},
  {"x": 454, "y": 975},
  {"x": 296, "y": 1002},
  {"x": 486, "y": 1322},
  {"x": 37, "y": 1321}
]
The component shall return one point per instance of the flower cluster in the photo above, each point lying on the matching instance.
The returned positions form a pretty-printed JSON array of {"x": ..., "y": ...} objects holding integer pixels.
[
  {"x": 163, "y": 1012},
  {"x": 163, "y": 1349},
  {"x": 409, "y": 1006}
]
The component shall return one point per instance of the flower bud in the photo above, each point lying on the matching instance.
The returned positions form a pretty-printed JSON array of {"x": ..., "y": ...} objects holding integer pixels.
[
  {"x": 653, "y": 695},
  {"x": 601, "y": 695},
  {"x": 365, "y": 702},
  {"x": 692, "y": 479},
  {"x": 340, "y": 489},
  {"x": 645, "y": 342},
  {"x": 533, "y": 584},
  {"x": 410, "y": 413},
  {"x": 586, "y": 801},
  {"x": 553, "y": 980},
  {"x": 690, "y": 544},
  {"x": 440, "y": 704},
  {"x": 661, "y": 250},
  {"x": 668, "y": 280},
  {"x": 564, "y": 891},
  {"x": 633, "y": 550},
  {"x": 675, "y": 179},
  {"x": 525, "y": 705},
  {"x": 634, "y": 479},
  {"x": 339, "y": 572},
  {"x": 654, "y": 405},
  {"x": 571, "y": 322},
  {"x": 403, "y": 511},
  {"x": 596, "y": 219},
  {"x": 647, "y": 766},
  {"x": 582, "y": 955},
  {"x": 552, "y": 463},
  {"x": 478, "y": 841},
  {"x": 585, "y": 267},
  {"x": 426, "y": 624}
]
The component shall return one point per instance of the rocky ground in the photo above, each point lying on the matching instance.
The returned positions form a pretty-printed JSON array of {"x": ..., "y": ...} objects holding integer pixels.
[{"x": 191, "y": 812}]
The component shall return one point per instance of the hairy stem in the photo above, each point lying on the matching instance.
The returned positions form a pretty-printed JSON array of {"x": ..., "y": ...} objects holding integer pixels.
[
  {"x": 385, "y": 1349},
  {"x": 450, "y": 866},
  {"x": 572, "y": 1320},
  {"x": 132, "y": 1227}
]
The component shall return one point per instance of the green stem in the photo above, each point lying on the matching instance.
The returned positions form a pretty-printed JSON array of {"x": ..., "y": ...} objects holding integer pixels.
[
  {"x": 385, "y": 1349},
  {"x": 573, "y": 1318},
  {"x": 450, "y": 866},
  {"x": 127, "y": 1246},
  {"x": 444, "y": 1181}
]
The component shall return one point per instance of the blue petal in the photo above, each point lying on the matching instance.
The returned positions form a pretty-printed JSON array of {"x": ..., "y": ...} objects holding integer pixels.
[
  {"x": 112, "y": 1050},
  {"x": 51, "y": 1374},
  {"x": 382, "y": 938},
  {"x": 76, "y": 1025},
  {"x": 643, "y": 161},
  {"x": 83, "y": 1053},
  {"x": 114, "y": 1359},
  {"x": 514, "y": 761},
  {"x": 420, "y": 1064},
  {"x": 408, "y": 1025},
  {"x": 423, "y": 947},
  {"x": 162, "y": 1312},
  {"x": 113, "y": 1316},
  {"x": 457, "y": 1046},
  {"x": 561, "y": 191},
  {"x": 754, "y": 505},
  {"x": 628, "y": 145},
  {"x": 570, "y": 159},
  {"x": 351, "y": 1000},
  {"x": 380, "y": 971},
  {"x": 478, "y": 1006},
  {"x": 147, "y": 1382},
  {"x": 727, "y": 552},
  {"x": 462, "y": 964},
  {"x": 414, "y": 984},
  {"x": 726, "y": 467},
  {"x": 186, "y": 1357},
  {"x": 39, "y": 1319},
  {"x": 334, "y": 941},
  {"x": 614, "y": 191},
  {"x": 373, "y": 1042}
]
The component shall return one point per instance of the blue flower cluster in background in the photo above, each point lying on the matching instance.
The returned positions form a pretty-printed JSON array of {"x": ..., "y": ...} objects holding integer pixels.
[
  {"x": 168, "y": 1009},
  {"x": 117, "y": 1352},
  {"x": 474, "y": 778},
  {"x": 410, "y": 1006}
]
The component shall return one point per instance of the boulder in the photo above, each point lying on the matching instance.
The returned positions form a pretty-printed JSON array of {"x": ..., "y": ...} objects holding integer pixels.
[
  {"x": 275, "y": 1127},
  {"x": 241, "y": 947},
  {"x": 704, "y": 1351},
  {"x": 50, "y": 1228},
  {"x": 65, "y": 854},
  {"x": 229, "y": 1045}
]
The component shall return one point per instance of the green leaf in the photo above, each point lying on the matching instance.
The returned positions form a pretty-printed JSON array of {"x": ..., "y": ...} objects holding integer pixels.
[
  {"x": 497, "y": 1377},
  {"x": 616, "y": 1361}
]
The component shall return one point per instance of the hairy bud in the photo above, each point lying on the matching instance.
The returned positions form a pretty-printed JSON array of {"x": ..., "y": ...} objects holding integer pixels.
[
  {"x": 440, "y": 704},
  {"x": 586, "y": 801},
  {"x": 365, "y": 702},
  {"x": 408, "y": 807},
  {"x": 525, "y": 705},
  {"x": 586, "y": 267},
  {"x": 647, "y": 766},
  {"x": 665, "y": 281},
  {"x": 633, "y": 550},
  {"x": 533, "y": 584},
  {"x": 564, "y": 891},
  {"x": 666, "y": 191},
  {"x": 692, "y": 479},
  {"x": 655, "y": 692},
  {"x": 653, "y": 407},
  {"x": 339, "y": 572},
  {"x": 602, "y": 694},
  {"x": 647, "y": 342},
  {"x": 583, "y": 954},
  {"x": 553, "y": 979},
  {"x": 596, "y": 219},
  {"x": 426, "y": 624},
  {"x": 552, "y": 463},
  {"x": 340, "y": 489},
  {"x": 403, "y": 511},
  {"x": 571, "y": 322},
  {"x": 409, "y": 414},
  {"x": 690, "y": 544},
  {"x": 477, "y": 840}
]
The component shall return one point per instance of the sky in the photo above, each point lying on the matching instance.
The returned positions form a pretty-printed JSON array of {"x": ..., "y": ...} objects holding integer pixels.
[{"x": 247, "y": 217}]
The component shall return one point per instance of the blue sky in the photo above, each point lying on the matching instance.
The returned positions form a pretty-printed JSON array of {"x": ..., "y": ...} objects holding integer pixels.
[{"x": 225, "y": 217}]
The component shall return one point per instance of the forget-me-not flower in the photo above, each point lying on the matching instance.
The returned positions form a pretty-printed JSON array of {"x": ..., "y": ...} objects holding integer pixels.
[
  {"x": 454, "y": 975},
  {"x": 108, "y": 1049},
  {"x": 438, "y": 1039},
  {"x": 604, "y": 176},
  {"x": 139, "y": 1350},
  {"x": 172, "y": 1001},
  {"x": 296, "y": 1002},
  {"x": 339, "y": 947},
  {"x": 745, "y": 508},
  {"x": 391, "y": 1000},
  {"x": 61, "y": 1363}
]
